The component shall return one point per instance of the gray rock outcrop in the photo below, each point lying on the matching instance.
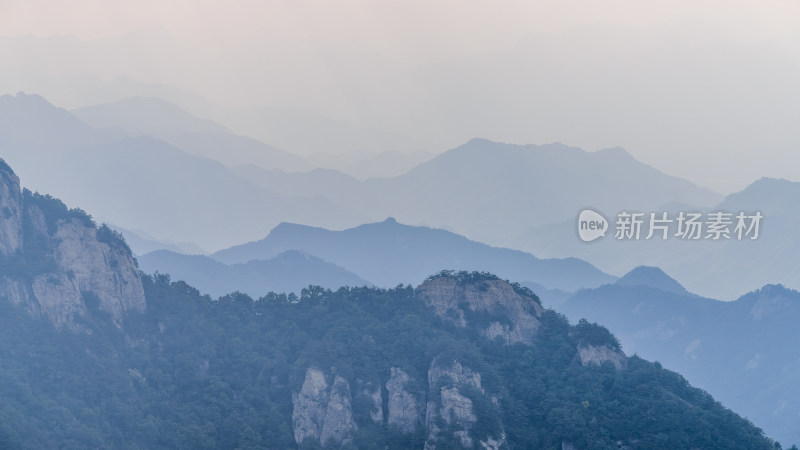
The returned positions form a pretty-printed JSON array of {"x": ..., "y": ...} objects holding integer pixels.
[
  {"x": 597, "y": 355},
  {"x": 405, "y": 409},
  {"x": 10, "y": 211},
  {"x": 309, "y": 406},
  {"x": 54, "y": 259},
  {"x": 450, "y": 413},
  {"x": 323, "y": 411},
  {"x": 375, "y": 396},
  {"x": 97, "y": 267},
  {"x": 58, "y": 298},
  {"x": 506, "y": 313}
]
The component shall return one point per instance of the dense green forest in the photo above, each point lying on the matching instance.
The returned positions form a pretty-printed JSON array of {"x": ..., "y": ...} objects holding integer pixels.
[{"x": 194, "y": 372}]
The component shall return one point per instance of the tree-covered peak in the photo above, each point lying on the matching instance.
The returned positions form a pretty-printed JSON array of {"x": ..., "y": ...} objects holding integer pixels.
[{"x": 463, "y": 277}]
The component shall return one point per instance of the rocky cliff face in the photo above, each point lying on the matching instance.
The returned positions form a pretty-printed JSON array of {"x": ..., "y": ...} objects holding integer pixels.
[
  {"x": 492, "y": 305},
  {"x": 454, "y": 408},
  {"x": 375, "y": 396},
  {"x": 10, "y": 214},
  {"x": 405, "y": 408},
  {"x": 599, "y": 354},
  {"x": 451, "y": 413},
  {"x": 322, "y": 411},
  {"x": 55, "y": 261},
  {"x": 309, "y": 406},
  {"x": 108, "y": 272}
]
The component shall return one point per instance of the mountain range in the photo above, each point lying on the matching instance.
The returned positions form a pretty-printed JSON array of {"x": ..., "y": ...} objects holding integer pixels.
[
  {"x": 735, "y": 350},
  {"x": 491, "y": 191},
  {"x": 142, "y": 116},
  {"x": 143, "y": 183},
  {"x": 522, "y": 197},
  {"x": 389, "y": 253},
  {"x": 739, "y": 351},
  {"x": 97, "y": 354},
  {"x": 550, "y": 178}
]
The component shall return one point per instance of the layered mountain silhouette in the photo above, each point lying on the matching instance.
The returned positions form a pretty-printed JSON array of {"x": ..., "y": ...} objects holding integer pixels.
[
  {"x": 198, "y": 137},
  {"x": 523, "y": 197},
  {"x": 740, "y": 351},
  {"x": 492, "y": 191},
  {"x": 130, "y": 346},
  {"x": 389, "y": 253},
  {"x": 652, "y": 277},
  {"x": 289, "y": 271},
  {"x": 30, "y": 120},
  {"x": 144, "y": 183}
]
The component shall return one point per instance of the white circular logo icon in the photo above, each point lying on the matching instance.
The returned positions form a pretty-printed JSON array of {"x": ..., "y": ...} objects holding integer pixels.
[{"x": 591, "y": 225}]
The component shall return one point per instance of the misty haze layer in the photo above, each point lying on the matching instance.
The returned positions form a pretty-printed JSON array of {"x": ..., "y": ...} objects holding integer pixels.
[{"x": 684, "y": 88}]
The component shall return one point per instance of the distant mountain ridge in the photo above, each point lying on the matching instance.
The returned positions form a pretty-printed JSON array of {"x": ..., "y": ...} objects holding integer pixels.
[
  {"x": 144, "y": 183},
  {"x": 199, "y": 137},
  {"x": 739, "y": 351},
  {"x": 27, "y": 119},
  {"x": 500, "y": 194},
  {"x": 492, "y": 191},
  {"x": 464, "y": 357},
  {"x": 652, "y": 277},
  {"x": 288, "y": 271},
  {"x": 389, "y": 253},
  {"x": 488, "y": 191}
]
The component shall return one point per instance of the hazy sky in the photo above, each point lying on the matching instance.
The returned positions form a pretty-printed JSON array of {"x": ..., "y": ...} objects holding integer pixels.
[
  {"x": 463, "y": 26},
  {"x": 707, "y": 90}
]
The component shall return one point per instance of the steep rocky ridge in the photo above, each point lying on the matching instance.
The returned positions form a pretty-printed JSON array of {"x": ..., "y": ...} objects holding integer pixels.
[
  {"x": 405, "y": 409},
  {"x": 58, "y": 263},
  {"x": 451, "y": 413},
  {"x": 323, "y": 410},
  {"x": 452, "y": 406},
  {"x": 498, "y": 308},
  {"x": 599, "y": 354}
]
